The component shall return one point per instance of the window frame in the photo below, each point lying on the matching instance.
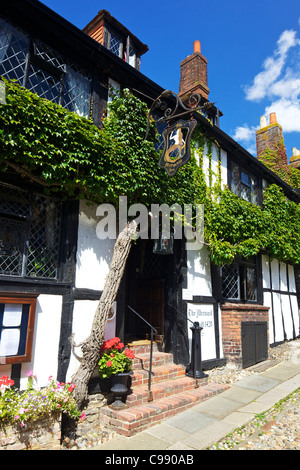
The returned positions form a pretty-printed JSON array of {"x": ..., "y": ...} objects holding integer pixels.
[
  {"x": 36, "y": 63},
  {"x": 28, "y": 221},
  {"x": 242, "y": 281},
  {"x": 24, "y": 299},
  {"x": 250, "y": 175}
]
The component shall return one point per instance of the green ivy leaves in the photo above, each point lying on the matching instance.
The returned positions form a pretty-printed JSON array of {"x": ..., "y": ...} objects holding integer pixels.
[{"x": 68, "y": 153}]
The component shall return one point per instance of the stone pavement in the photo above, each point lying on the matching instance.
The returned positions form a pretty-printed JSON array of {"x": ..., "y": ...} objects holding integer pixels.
[{"x": 210, "y": 421}]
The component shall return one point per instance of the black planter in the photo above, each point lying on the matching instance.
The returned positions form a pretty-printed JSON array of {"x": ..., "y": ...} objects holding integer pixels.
[
  {"x": 98, "y": 385},
  {"x": 119, "y": 387}
]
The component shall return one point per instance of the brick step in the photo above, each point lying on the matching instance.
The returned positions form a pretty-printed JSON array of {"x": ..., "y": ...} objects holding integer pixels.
[
  {"x": 139, "y": 395},
  {"x": 159, "y": 374},
  {"x": 135, "y": 419},
  {"x": 142, "y": 361},
  {"x": 144, "y": 346}
]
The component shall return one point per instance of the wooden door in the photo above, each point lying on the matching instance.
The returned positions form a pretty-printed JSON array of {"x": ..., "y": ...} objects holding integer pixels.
[
  {"x": 151, "y": 303},
  {"x": 254, "y": 343}
]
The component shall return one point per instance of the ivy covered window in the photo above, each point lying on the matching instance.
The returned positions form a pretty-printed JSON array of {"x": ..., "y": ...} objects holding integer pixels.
[
  {"x": 243, "y": 184},
  {"x": 43, "y": 70},
  {"x": 29, "y": 234},
  {"x": 239, "y": 281}
]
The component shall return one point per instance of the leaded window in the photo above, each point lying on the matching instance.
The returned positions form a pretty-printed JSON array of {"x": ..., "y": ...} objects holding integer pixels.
[
  {"x": 43, "y": 70},
  {"x": 14, "y": 46},
  {"x": 77, "y": 90},
  {"x": 44, "y": 84},
  {"x": 239, "y": 281},
  {"x": 29, "y": 233},
  {"x": 115, "y": 45},
  {"x": 244, "y": 184}
]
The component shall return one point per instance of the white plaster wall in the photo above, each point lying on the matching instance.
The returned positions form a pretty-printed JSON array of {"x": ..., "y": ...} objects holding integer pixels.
[
  {"x": 93, "y": 255},
  {"x": 295, "y": 314},
  {"x": 220, "y": 331},
  {"x": 83, "y": 315},
  {"x": 284, "y": 312},
  {"x": 45, "y": 340},
  {"x": 277, "y": 315},
  {"x": 283, "y": 277},
  {"x": 266, "y": 272},
  {"x": 287, "y": 315},
  {"x": 224, "y": 174},
  {"x": 198, "y": 274},
  {"x": 214, "y": 165},
  {"x": 292, "y": 282},
  {"x": 268, "y": 303},
  {"x": 275, "y": 279}
]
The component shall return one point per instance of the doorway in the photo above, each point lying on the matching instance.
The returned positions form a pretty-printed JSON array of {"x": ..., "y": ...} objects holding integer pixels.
[{"x": 145, "y": 284}]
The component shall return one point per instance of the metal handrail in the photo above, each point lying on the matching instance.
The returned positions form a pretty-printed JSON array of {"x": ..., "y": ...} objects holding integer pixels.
[
  {"x": 150, "y": 395},
  {"x": 183, "y": 316}
]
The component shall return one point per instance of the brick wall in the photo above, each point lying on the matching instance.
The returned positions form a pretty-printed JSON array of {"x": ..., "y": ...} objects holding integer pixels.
[{"x": 232, "y": 317}]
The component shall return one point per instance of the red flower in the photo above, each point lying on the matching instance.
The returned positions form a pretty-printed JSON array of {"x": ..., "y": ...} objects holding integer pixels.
[
  {"x": 6, "y": 381},
  {"x": 110, "y": 344},
  {"x": 109, "y": 363},
  {"x": 119, "y": 346},
  {"x": 71, "y": 388},
  {"x": 128, "y": 353}
]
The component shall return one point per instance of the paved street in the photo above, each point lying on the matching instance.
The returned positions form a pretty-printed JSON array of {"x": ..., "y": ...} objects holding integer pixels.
[{"x": 277, "y": 429}]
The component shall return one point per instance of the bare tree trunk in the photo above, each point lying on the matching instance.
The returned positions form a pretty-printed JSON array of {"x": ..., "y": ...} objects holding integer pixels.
[{"x": 91, "y": 346}]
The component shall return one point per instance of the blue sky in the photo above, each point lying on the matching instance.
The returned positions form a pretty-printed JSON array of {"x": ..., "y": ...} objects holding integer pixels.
[{"x": 252, "y": 49}]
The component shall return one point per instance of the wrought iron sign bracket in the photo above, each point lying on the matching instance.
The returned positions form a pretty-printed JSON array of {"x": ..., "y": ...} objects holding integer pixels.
[
  {"x": 169, "y": 113},
  {"x": 177, "y": 135}
]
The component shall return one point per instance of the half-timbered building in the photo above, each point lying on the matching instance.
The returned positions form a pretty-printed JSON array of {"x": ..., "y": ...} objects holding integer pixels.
[{"x": 52, "y": 264}]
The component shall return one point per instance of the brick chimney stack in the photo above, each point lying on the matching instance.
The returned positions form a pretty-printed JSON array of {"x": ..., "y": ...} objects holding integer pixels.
[
  {"x": 193, "y": 77},
  {"x": 269, "y": 136}
]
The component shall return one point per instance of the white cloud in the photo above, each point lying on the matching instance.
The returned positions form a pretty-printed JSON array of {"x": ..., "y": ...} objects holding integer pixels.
[
  {"x": 278, "y": 86},
  {"x": 287, "y": 113},
  {"x": 246, "y": 136},
  {"x": 272, "y": 67},
  {"x": 244, "y": 133}
]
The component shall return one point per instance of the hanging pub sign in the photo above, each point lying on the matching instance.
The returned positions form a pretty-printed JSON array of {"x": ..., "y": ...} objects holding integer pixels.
[
  {"x": 176, "y": 151},
  {"x": 177, "y": 134}
]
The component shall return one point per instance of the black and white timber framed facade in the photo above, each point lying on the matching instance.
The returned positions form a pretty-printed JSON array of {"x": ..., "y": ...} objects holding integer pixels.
[{"x": 55, "y": 258}]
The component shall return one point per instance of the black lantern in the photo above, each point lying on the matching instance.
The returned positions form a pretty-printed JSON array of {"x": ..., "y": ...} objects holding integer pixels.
[{"x": 164, "y": 244}]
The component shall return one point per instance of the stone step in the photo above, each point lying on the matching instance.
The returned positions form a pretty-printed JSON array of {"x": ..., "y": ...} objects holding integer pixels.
[
  {"x": 134, "y": 419},
  {"x": 139, "y": 395},
  {"x": 142, "y": 361}
]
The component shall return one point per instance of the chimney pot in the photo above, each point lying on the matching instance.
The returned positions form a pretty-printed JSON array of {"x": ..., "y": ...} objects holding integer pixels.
[
  {"x": 273, "y": 119},
  {"x": 263, "y": 122},
  {"x": 197, "y": 46},
  {"x": 296, "y": 152}
]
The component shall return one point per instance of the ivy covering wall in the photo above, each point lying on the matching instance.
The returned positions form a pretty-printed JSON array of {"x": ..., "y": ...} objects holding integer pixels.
[
  {"x": 66, "y": 153},
  {"x": 276, "y": 160}
]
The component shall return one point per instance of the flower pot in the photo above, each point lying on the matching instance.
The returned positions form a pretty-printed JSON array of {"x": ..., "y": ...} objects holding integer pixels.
[{"x": 120, "y": 389}]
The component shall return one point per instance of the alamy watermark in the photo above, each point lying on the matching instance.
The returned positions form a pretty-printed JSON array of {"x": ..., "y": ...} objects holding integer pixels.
[{"x": 159, "y": 220}]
